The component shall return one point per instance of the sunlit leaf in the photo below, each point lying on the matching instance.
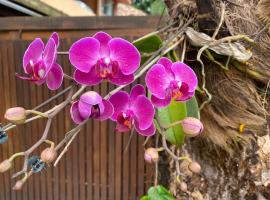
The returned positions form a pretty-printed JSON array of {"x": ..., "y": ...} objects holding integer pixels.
[
  {"x": 160, "y": 193},
  {"x": 176, "y": 111},
  {"x": 144, "y": 198}
]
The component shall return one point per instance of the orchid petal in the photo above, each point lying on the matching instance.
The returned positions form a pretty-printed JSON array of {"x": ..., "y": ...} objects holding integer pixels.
[
  {"x": 49, "y": 55},
  {"x": 55, "y": 37},
  {"x": 160, "y": 103},
  {"x": 185, "y": 74},
  {"x": 121, "y": 79},
  {"x": 84, "y": 54},
  {"x": 91, "y": 98},
  {"x": 84, "y": 109},
  {"x": 55, "y": 77},
  {"x": 144, "y": 112},
  {"x": 120, "y": 102},
  {"x": 167, "y": 63},
  {"x": 126, "y": 54},
  {"x": 108, "y": 110},
  {"x": 104, "y": 39},
  {"x": 75, "y": 114},
  {"x": 158, "y": 80},
  {"x": 90, "y": 78},
  {"x": 33, "y": 53},
  {"x": 147, "y": 132},
  {"x": 136, "y": 91}
]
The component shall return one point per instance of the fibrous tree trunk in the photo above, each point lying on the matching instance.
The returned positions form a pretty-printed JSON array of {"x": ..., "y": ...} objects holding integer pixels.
[{"x": 234, "y": 150}]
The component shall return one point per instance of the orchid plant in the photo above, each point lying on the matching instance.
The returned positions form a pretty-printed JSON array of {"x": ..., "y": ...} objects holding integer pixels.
[{"x": 159, "y": 108}]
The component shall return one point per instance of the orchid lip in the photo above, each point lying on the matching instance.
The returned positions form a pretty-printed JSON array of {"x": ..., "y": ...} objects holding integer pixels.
[
  {"x": 177, "y": 89},
  {"x": 106, "y": 68},
  {"x": 125, "y": 119},
  {"x": 95, "y": 111}
]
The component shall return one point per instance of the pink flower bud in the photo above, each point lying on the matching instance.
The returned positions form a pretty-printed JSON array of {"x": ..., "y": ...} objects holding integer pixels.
[
  {"x": 48, "y": 155},
  {"x": 5, "y": 166},
  {"x": 192, "y": 126},
  {"x": 18, "y": 185},
  {"x": 183, "y": 187},
  {"x": 151, "y": 155},
  {"x": 195, "y": 167},
  {"x": 16, "y": 115}
]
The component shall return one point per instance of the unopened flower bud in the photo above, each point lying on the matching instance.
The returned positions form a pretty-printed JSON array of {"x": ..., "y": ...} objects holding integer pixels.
[
  {"x": 151, "y": 155},
  {"x": 192, "y": 126},
  {"x": 195, "y": 167},
  {"x": 18, "y": 185},
  {"x": 183, "y": 187},
  {"x": 16, "y": 115},
  {"x": 5, "y": 165},
  {"x": 48, "y": 155}
]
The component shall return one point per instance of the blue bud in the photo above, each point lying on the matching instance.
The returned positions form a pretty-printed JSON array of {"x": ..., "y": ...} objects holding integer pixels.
[
  {"x": 36, "y": 164},
  {"x": 3, "y": 136}
]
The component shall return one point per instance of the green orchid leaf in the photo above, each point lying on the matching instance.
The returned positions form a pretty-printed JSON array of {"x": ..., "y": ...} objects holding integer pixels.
[
  {"x": 145, "y": 198},
  {"x": 148, "y": 44},
  {"x": 176, "y": 111},
  {"x": 160, "y": 193},
  {"x": 193, "y": 108}
]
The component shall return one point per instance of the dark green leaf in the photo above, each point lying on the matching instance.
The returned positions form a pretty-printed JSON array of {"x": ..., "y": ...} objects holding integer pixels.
[
  {"x": 149, "y": 44},
  {"x": 193, "y": 108},
  {"x": 176, "y": 111}
]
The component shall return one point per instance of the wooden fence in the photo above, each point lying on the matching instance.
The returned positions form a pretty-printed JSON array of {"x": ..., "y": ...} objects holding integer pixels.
[{"x": 95, "y": 166}]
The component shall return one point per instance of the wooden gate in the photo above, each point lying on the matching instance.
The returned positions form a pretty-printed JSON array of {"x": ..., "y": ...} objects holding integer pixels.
[{"x": 95, "y": 166}]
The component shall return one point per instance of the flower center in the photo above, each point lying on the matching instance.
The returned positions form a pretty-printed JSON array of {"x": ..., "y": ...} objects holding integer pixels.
[
  {"x": 125, "y": 119},
  {"x": 38, "y": 70},
  {"x": 178, "y": 89},
  {"x": 95, "y": 111},
  {"x": 106, "y": 68}
]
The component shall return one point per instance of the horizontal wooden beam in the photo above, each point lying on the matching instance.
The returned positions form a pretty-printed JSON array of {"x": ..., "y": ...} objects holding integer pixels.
[{"x": 76, "y": 23}]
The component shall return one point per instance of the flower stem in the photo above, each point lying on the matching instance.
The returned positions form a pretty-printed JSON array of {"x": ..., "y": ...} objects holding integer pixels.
[
  {"x": 62, "y": 52},
  {"x": 37, "y": 113},
  {"x": 78, "y": 92},
  {"x": 50, "y": 143},
  {"x": 15, "y": 156},
  {"x": 173, "y": 124}
]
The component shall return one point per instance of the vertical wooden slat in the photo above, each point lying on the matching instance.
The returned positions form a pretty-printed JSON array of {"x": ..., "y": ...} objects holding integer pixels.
[
  {"x": 61, "y": 128},
  {"x": 49, "y": 172},
  {"x": 81, "y": 168},
  {"x": 133, "y": 166},
  {"x": 66, "y": 160},
  {"x": 8, "y": 105},
  {"x": 13, "y": 96},
  {"x": 111, "y": 157},
  {"x": 118, "y": 166},
  {"x": 103, "y": 152},
  {"x": 96, "y": 155},
  {"x": 125, "y": 162},
  {"x": 140, "y": 168},
  {"x": 4, "y": 177},
  {"x": 89, "y": 158}
]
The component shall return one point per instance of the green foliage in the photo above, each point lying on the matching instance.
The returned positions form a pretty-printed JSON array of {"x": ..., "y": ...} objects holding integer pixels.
[
  {"x": 153, "y": 7},
  {"x": 158, "y": 193},
  {"x": 148, "y": 45},
  {"x": 158, "y": 7},
  {"x": 193, "y": 108},
  {"x": 176, "y": 111}
]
